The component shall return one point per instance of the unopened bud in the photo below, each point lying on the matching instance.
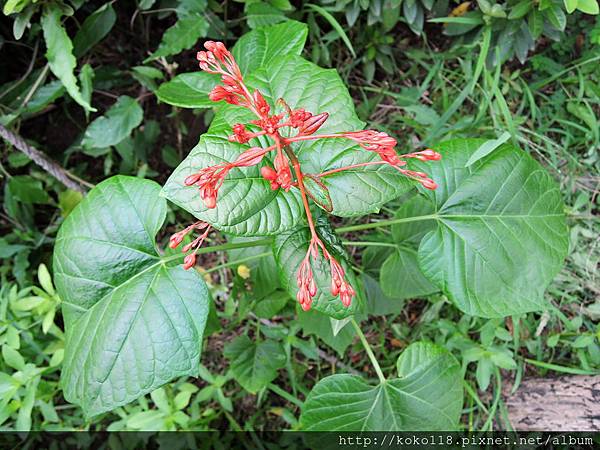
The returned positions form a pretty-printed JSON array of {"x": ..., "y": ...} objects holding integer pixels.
[
  {"x": 189, "y": 261},
  {"x": 312, "y": 124}
]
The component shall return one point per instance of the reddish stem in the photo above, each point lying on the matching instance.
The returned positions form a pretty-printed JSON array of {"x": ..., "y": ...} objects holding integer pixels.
[
  {"x": 353, "y": 166},
  {"x": 300, "y": 178},
  {"x": 312, "y": 137}
]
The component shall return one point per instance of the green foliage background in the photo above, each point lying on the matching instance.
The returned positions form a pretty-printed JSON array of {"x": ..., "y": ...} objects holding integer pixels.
[{"x": 91, "y": 84}]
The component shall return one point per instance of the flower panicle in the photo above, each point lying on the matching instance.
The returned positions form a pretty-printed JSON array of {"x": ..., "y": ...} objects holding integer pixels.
[
  {"x": 302, "y": 125},
  {"x": 210, "y": 179},
  {"x": 175, "y": 240},
  {"x": 307, "y": 287},
  {"x": 384, "y": 145}
]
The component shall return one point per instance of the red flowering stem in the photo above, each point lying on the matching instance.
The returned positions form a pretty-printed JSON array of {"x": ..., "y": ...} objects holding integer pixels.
[
  {"x": 300, "y": 179},
  {"x": 369, "y": 351},
  {"x": 353, "y": 166},
  {"x": 312, "y": 137}
]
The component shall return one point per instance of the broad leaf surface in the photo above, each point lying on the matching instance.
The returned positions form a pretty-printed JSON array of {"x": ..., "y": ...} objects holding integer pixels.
[
  {"x": 115, "y": 125},
  {"x": 246, "y": 205},
  {"x": 95, "y": 28},
  {"x": 59, "y": 52},
  {"x": 261, "y": 14},
  {"x": 183, "y": 35},
  {"x": 289, "y": 250},
  {"x": 253, "y": 364},
  {"x": 501, "y": 234},
  {"x": 426, "y": 397},
  {"x": 305, "y": 85},
  {"x": 132, "y": 323},
  {"x": 378, "y": 303},
  {"x": 401, "y": 276},
  {"x": 253, "y": 50}
]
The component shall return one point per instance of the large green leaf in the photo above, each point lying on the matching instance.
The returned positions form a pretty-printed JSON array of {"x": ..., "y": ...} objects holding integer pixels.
[
  {"x": 132, "y": 322},
  {"x": 95, "y": 27},
  {"x": 183, "y": 35},
  {"x": 265, "y": 45},
  {"x": 114, "y": 126},
  {"x": 59, "y": 52},
  {"x": 261, "y": 14},
  {"x": 500, "y": 235},
  {"x": 255, "y": 364},
  {"x": 189, "y": 90},
  {"x": 377, "y": 301},
  {"x": 246, "y": 205},
  {"x": 426, "y": 397},
  {"x": 400, "y": 274},
  {"x": 289, "y": 250},
  {"x": 253, "y": 50}
]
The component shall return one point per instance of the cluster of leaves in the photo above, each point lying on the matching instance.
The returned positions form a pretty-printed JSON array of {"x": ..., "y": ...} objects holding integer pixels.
[{"x": 495, "y": 212}]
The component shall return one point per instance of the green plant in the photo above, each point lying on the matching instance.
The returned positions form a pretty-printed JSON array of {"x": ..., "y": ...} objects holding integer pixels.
[
  {"x": 490, "y": 238},
  {"x": 516, "y": 25}
]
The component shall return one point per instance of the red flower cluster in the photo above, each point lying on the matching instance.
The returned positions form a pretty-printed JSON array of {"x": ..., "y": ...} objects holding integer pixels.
[
  {"x": 176, "y": 239},
  {"x": 217, "y": 59},
  {"x": 307, "y": 288}
]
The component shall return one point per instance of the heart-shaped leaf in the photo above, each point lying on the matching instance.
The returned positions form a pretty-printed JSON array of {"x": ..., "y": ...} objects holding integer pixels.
[
  {"x": 426, "y": 397},
  {"x": 500, "y": 235},
  {"x": 254, "y": 49},
  {"x": 255, "y": 364},
  {"x": 304, "y": 85},
  {"x": 132, "y": 322},
  {"x": 289, "y": 250}
]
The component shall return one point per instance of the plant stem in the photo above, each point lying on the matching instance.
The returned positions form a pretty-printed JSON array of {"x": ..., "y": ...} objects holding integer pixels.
[
  {"x": 300, "y": 177},
  {"x": 216, "y": 248},
  {"x": 41, "y": 159},
  {"x": 286, "y": 395},
  {"x": 489, "y": 423},
  {"x": 385, "y": 223},
  {"x": 238, "y": 261},
  {"x": 369, "y": 244},
  {"x": 369, "y": 351},
  {"x": 353, "y": 166}
]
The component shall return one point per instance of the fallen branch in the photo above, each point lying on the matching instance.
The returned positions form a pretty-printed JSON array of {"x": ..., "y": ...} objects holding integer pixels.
[{"x": 42, "y": 160}]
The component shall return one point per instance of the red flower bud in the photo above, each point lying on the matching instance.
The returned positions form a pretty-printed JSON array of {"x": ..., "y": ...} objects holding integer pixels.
[
  {"x": 250, "y": 157},
  {"x": 431, "y": 155},
  {"x": 175, "y": 240},
  {"x": 428, "y": 183},
  {"x": 268, "y": 173},
  {"x": 210, "y": 202},
  {"x": 189, "y": 261},
  {"x": 192, "y": 179},
  {"x": 311, "y": 125},
  {"x": 262, "y": 106},
  {"x": 221, "y": 93}
]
